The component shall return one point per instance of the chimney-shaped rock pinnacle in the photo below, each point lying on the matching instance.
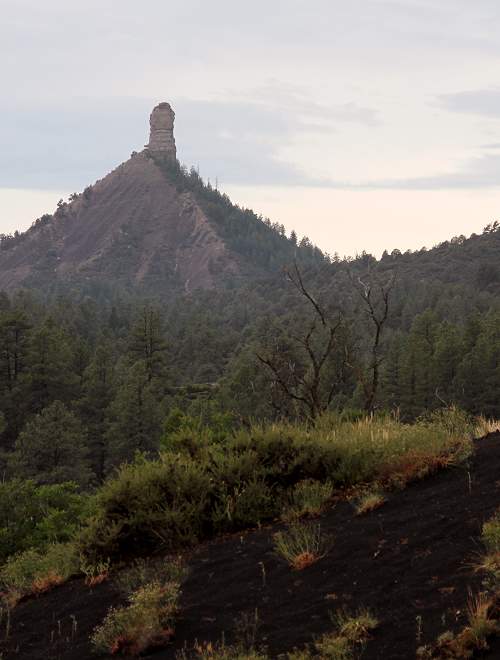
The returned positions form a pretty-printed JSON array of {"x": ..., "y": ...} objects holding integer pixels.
[{"x": 161, "y": 136}]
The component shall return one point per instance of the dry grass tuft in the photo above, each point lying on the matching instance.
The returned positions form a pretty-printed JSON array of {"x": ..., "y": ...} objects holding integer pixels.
[
  {"x": 302, "y": 545},
  {"x": 369, "y": 502},
  {"x": 486, "y": 426},
  {"x": 209, "y": 651}
]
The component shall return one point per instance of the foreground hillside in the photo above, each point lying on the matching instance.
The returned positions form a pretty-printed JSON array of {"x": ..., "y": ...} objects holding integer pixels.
[{"x": 411, "y": 562}]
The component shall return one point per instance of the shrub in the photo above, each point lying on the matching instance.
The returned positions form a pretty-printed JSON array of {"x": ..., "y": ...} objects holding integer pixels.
[
  {"x": 35, "y": 516},
  {"x": 145, "y": 623},
  {"x": 33, "y": 571},
  {"x": 149, "y": 505},
  {"x": 307, "y": 498},
  {"x": 301, "y": 545},
  {"x": 453, "y": 420},
  {"x": 243, "y": 505},
  {"x": 178, "y": 499},
  {"x": 490, "y": 561},
  {"x": 491, "y": 534}
]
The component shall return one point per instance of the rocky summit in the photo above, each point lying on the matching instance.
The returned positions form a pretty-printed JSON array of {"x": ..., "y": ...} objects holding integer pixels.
[{"x": 149, "y": 224}]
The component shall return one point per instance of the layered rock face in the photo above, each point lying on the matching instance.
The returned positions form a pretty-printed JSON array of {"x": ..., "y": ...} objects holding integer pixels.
[{"x": 161, "y": 137}]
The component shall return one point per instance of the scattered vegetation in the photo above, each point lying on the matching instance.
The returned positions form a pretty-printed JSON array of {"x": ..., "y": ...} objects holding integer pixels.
[
  {"x": 482, "y": 613},
  {"x": 302, "y": 544},
  {"x": 483, "y": 610},
  {"x": 347, "y": 641}
]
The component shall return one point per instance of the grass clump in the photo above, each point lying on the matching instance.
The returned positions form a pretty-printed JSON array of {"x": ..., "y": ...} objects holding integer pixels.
[
  {"x": 482, "y": 611},
  {"x": 308, "y": 498},
  {"x": 302, "y": 544},
  {"x": 147, "y": 621},
  {"x": 346, "y": 641},
  {"x": 143, "y": 572},
  {"x": 209, "y": 651},
  {"x": 95, "y": 573},
  {"x": 490, "y": 560},
  {"x": 351, "y": 635},
  {"x": 369, "y": 502},
  {"x": 34, "y": 571}
]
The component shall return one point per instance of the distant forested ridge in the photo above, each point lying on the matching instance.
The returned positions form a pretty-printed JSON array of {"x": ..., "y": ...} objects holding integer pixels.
[
  {"x": 151, "y": 305},
  {"x": 87, "y": 381}
]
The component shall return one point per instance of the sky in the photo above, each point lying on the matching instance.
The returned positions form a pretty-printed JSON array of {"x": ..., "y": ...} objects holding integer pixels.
[{"x": 363, "y": 124}]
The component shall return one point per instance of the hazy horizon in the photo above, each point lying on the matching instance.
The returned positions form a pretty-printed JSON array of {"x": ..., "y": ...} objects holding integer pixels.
[{"x": 367, "y": 126}]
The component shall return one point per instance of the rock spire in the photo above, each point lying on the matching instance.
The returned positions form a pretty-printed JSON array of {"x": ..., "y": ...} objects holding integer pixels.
[{"x": 161, "y": 136}]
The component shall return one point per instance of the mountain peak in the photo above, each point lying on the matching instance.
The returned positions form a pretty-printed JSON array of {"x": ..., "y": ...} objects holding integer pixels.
[{"x": 148, "y": 224}]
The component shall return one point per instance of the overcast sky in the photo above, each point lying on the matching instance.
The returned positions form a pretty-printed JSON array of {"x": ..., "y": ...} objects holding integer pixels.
[{"x": 363, "y": 124}]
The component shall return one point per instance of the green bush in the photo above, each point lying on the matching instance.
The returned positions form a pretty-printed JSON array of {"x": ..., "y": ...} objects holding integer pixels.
[
  {"x": 145, "y": 623},
  {"x": 162, "y": 503},
  {"x": 35, "y": 571},
  {"x": 491, "y": 534},
  {"x": 243, "y": 505},
  {"x": 186, "y": 496},
  {"x": 34, "y": 516}
]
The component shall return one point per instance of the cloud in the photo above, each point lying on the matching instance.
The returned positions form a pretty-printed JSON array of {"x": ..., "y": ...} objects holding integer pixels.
[
  {"x": 482, "y": 102},
  {"x": 480, "y": 172},
  {"x": 237, "y": 138},
  {"x": 298, "y": 102}
]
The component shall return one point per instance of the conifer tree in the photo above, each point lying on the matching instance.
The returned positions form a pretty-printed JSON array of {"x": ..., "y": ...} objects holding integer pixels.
[{"x": 52, "y": 448}]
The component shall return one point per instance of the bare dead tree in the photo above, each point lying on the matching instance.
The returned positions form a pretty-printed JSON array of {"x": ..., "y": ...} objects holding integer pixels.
[
  {"x": 375, "y": 296},
  {"x": 305, "y": 384}
]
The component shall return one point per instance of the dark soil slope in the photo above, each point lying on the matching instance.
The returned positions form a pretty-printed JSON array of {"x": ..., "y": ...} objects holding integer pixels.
[{"x": 411, "y": 562}]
